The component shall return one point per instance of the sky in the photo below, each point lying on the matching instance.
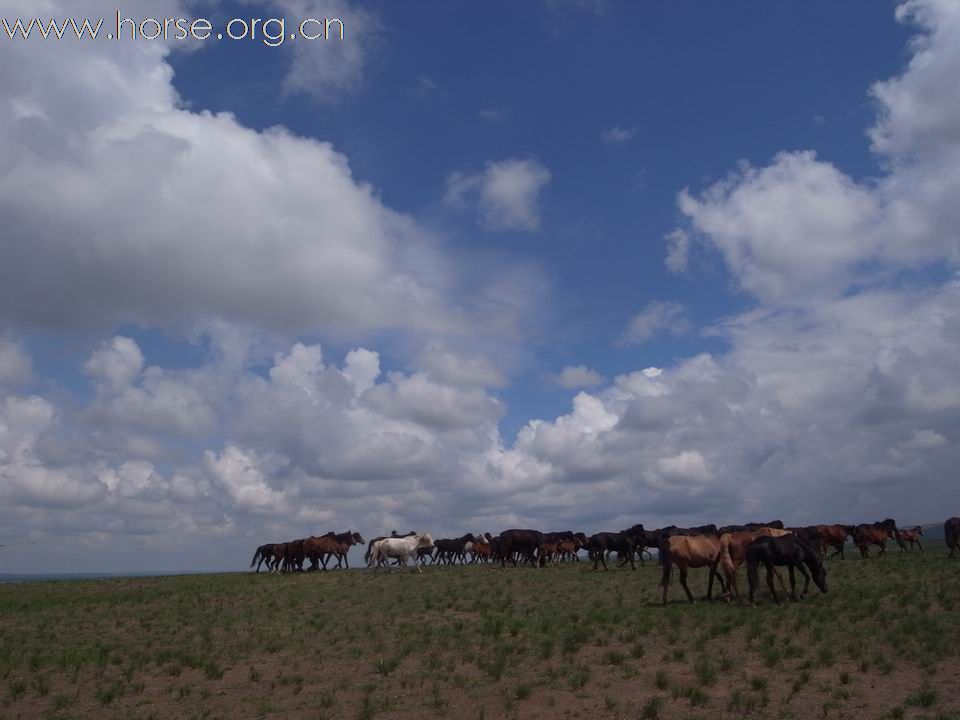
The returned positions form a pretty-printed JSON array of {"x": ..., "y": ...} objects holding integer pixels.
[{"x": 562, "y": 264}]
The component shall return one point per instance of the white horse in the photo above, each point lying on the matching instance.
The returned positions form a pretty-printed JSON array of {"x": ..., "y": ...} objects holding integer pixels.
[{"x": 399, "y": 548}]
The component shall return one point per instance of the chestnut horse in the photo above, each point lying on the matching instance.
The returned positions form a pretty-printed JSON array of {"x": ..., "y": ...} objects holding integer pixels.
[
  {"x": 688, "y": 551},
  {"x": 908, "y": 535},
  {"x": 878, "y": 533},
  {"x": 834, "y": 536},
  {"x": 951, "y": 535}
]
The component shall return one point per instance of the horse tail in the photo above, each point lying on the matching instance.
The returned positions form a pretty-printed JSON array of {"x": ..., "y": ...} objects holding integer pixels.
[{"x": 255, "y": 556}]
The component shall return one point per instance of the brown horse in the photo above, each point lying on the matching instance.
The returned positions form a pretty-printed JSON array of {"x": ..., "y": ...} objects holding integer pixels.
[
  {"x": 733, "y": 553},
  {"x": 878, "y": 533},
  {"x": 908, "y": 535},
  {"x": 834, "y": 536},
  {"x": 331, "y": 545},
  {"x": 688, "y": 551},
  {"x": 951, "y": 535}
]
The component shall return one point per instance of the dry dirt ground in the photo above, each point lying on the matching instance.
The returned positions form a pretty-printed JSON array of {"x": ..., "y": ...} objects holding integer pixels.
[{"x": 481, "y": 642}]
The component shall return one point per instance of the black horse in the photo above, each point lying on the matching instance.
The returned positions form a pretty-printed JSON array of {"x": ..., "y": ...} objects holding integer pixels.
[
  {"x": 951, "y": 535},
  {"x": 788, "y": 550},
  {"x": 450, "y": 550}
]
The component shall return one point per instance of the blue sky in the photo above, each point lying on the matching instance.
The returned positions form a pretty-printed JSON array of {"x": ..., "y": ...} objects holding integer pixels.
[
  {"x": 699, "y": 87},
  {"x": 570, "y": 263}
]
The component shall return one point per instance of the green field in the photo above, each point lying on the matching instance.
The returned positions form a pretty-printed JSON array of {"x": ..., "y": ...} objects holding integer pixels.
[{"x": 481, "y": 642}]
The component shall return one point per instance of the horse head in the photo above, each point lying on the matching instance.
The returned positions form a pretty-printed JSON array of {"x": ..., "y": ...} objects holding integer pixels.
[{"x": 357, "y": 538}]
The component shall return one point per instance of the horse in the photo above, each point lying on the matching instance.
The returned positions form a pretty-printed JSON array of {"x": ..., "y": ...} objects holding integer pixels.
[
  {"x": 624, "y": 542},
  {"x": 877, "y": 533},
  {"x": 520, "y": 542},
  {"x": 809, "y": 535},
  {"x": 263, "y": 554},
  {"x": 279, "y": 551},
  {"x": 319, "y": 548},
  {"x": 788, "y": 550},
  {"x": 688, "y": 551},
  {"x": 400, "y": 548},
  {"x": 293, "y": 555},
  {"x": 733, "y": 547},
  {"x": 951, "y": 535},
  {"x": 451, "y": 550},
  {"x": 393, "y": 534},
  {"x": 834, "y": 536},
  {"x": 341, "y": 548},
  {"x": 908, "y": 535}
]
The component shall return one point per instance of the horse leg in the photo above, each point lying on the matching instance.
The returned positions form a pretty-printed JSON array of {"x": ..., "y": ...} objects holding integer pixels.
[
  {"x": 713, "y": 572},
  {"x": 773, "y": 590},
  {"x": 665, "y": 579},
  {"x": 793, "y": 585},
  {"x": 683, "y": 582},
  {"x": 918, "y": 545}
]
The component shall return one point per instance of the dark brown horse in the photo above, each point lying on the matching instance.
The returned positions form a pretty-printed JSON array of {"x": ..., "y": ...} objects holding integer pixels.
[
  {"x": 263, "y": 554},
  {"x": 905, "y": 536},
  {"x": 865, "y": 535},
  {"x": 789, "y": 551},
  {"x": 518, "y": 543},
  {"x": 951, "y": 535}
]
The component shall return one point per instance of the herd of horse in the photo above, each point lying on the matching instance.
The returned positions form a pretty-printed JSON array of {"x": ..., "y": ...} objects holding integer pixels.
[{"x": 721, "y": 550}]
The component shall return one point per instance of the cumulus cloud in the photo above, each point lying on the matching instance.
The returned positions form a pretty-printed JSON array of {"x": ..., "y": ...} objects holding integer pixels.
[
  {"x": 658, "y": 316},
  {"x": 579, "y": 376},
  {"x": 836, "y": 397},
  {"x": 169, "y": 217},
  {"x": 506, "y": 193},
  {"x": 800, "y": 229}
]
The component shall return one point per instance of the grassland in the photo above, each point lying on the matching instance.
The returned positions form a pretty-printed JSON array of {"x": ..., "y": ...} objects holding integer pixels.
[{"x": 480, "y": 642}]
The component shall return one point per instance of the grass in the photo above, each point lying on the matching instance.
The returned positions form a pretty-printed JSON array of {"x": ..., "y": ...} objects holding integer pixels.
[{"x": 480, "y": 642}]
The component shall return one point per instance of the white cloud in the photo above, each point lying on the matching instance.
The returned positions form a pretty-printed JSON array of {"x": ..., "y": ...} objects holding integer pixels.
[
  {"x": 260, "y": 228},
  {"x": 678, "y": 251},
  {"x": 460, "y": 367},
  {"x": 327, "y": 69},
  {"x": 617, "y": 134},
  {"x": 658, "y": 316},
  {"x": 579, "y": 376},
  {"x": 506, "y": 193}
]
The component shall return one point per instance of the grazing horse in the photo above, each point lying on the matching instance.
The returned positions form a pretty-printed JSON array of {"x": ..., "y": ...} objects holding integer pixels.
[
  {"x": 733, "y": 553},
  {"x": 908, "y": 535},
  {"x": 877, "y": 533},
  {"x": 399, "y": 548},
  {"x": 688, "y": 551},
  {"x": 451, "y": 550},
  {"x": 263, "y": 554},
  {"x": 951, "y": 535},
  {"x": 786, "y": 550},
  {"x": 834, "y": 536}
]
